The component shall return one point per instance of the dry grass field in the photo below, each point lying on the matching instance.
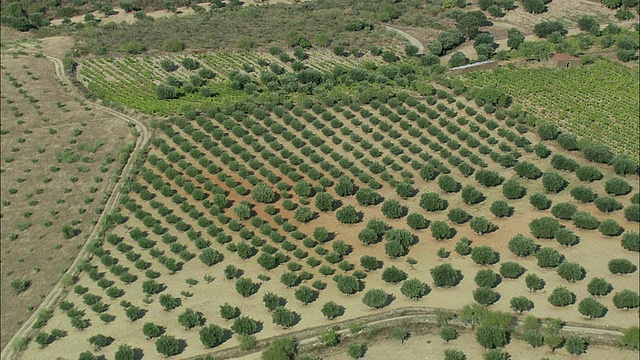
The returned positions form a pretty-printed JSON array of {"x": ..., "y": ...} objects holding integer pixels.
[{"x": 41, "y": 124}]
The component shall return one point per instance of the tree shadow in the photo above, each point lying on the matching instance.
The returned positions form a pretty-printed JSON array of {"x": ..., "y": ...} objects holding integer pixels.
[
  {"x": 496, "y": 259},
  {"x": 138, "y": 354},
  {"x": 182, "y": 345},
  {"x": 296, "y": 319},
  {"x": 255, "y": 288},
  {"x": 427, "y": 289},
  {"x": 459, "y": 278},
  {"x": 226, "y": 335},
  {"x": 259, "y": 327},
  {"x": 498, "y": 281},
  {"x": 389, "y": 300}
]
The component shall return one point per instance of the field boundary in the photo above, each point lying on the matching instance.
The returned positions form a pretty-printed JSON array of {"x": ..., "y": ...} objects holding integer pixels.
[
  {"x": 307, "y": 339},
  {"x": 59, "y": 290}
]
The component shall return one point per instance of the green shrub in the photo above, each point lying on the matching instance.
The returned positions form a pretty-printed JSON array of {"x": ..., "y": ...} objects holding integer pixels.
[
  {"x": 617, "y": 187},
  {"x": 610, "y": 227},
  {"x": 553, "y": 182},
  {"x": 522, "y": 246},
  {"x": 540, "y": 201},
  {"x": 584, "y": 220},
  {"x": 561, "y": 296},
  {"x": 583, "y": 194},
  {"x": 588, "y": 173},
  {"x": 544, "y": 228},
  {"x": 566, "y": 237},
  {"x": 511, "y": 189},
  {"x": 484, "y": 255},
  {"x": 632, "y": 213},
  {"x": 621, "y": 266},
  {"x": 631, "y": 241},
  {"x": 548, "y": 257},
  {"x": 607, "y": 204},
  {"x": 564, "y": 210}
]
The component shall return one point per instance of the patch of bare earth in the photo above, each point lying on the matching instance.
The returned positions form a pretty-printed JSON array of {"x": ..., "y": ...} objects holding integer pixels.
[{"x": 39, "y": 123}]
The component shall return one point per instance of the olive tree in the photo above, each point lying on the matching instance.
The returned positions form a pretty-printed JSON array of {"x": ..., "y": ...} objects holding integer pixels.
[
  {"x": 522, "y": 246},
  {"x": 591, "y": 308},
  {"x": 484, "y": 255}
]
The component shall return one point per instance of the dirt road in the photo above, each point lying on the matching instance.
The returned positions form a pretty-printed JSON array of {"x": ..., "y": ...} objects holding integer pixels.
[
  {"x": 58, "y": 291},
  {"x": 415, "y": 42}
]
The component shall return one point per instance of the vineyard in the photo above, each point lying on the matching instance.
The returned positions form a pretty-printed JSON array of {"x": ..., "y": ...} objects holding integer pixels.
[
  {"x": 598, "y": 101},
  {"x": 261, "y": 217},
  {"x": 132, "y": 81}
]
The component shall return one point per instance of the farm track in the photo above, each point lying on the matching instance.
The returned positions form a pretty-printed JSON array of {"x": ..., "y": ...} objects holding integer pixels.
[
  {"x": 415, "y": 42},
  {"x": 58, "y": 291},
  {"x": 307, "y": 339}
]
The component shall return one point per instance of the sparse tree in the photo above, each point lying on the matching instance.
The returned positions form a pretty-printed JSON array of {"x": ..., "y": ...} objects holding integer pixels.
[
  {"x": 376, "y": 298},
  {"x": 561, "y": 296},
  {"x": 190, "y": 319},
  {"x": 444, "y": 275},
  {"x": 331, "y": 310},
  {"x": 522, "y": 246},
  {"x": 621, "y": 266},
  {"x": 520, "y": 304},
  {"x": 626, "y": 299},
  {"x": 570, "y": 271},
  {"x": 414, "y": 289},
  {"x": 244, "y": 325},
  {"x": 485, "y": 295},
  {"x": 228, "y": 311},
  {"x": 283, "y": 317},
  {"x": 244, "y": 286},
  {"x": 599, "y": 287},
  {"x": 484, "y": 255},
  {"x": 125, "y": 352},
  {"x": 492, "y": 336},
  {"x": 448, "y": 333},
  {"x": 591, "y": 308},
  {"x": 167, "y": 345},
  {"x": 211, "y": 335},
  {"x": 534, "y": 282}
]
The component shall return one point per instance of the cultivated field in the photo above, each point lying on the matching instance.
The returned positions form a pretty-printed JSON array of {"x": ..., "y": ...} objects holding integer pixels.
[
  {"x": 306, "y": 178},
  {"x": 597, "y": 101},
  {"x": 326, "y": 199}
]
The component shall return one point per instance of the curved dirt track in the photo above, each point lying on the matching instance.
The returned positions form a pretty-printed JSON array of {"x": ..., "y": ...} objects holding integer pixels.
[
  {"x": 58, "y": 291},
  {"x": 415, "y": 42},
  {"x": 308, "y": 338}
]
